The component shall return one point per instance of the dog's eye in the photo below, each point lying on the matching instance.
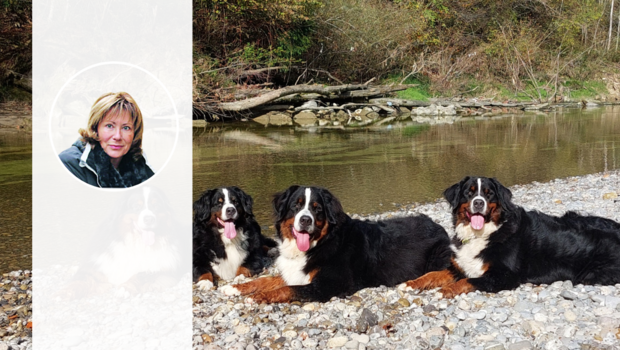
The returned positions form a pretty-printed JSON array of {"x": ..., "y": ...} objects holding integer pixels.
[{"x": 318, "y": 208}]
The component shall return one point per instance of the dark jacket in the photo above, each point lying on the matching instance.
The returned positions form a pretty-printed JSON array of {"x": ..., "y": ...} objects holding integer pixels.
[{"x": 92, "y": 165}]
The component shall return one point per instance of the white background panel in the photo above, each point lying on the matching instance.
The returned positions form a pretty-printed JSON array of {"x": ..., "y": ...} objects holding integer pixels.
[{"x": 97, "y": 284}]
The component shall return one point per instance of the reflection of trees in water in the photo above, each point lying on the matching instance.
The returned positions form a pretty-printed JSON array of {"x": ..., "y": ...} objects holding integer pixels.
[{"x": 365, "y": 168}]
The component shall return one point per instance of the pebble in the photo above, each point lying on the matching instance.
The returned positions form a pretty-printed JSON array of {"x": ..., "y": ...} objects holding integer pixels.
[
  {"x": 567, "y": 294},
  {"x": 570, "y": 316},
  {"x": 520, "y": 345},
  {"x": 352, "y": 344},
  {"x": 337, "y": 342}
]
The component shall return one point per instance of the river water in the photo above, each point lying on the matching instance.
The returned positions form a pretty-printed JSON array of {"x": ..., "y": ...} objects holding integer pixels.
[
  {"x": 15, "y": 200},
  {"x": 380, "y": 170},
  {"x": 368, "y": 170}
]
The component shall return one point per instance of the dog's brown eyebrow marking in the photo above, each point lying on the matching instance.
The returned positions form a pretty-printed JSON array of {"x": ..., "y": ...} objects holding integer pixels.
[
  {"x": 300, "y": 200},
  {"x": 473, "y": 188},
  {"x": 220, "y": 200},
  {"x": 315, "y": 204},
  {"x": 486, "y": 191}
]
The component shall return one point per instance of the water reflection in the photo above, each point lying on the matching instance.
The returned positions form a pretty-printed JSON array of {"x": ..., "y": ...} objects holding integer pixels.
[
  {"x": 372, "y": 171},
  {"x": 369, "y": 171},
  {"x": 15, "y": 201}
]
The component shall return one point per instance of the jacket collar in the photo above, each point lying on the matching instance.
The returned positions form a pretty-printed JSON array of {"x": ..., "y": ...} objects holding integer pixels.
[
  {"x": 128, "y": 174},
  {"x": 85, "y": 153}
]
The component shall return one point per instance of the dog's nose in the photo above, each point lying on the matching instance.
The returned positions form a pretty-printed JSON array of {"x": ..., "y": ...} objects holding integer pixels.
[
  {"x": 230, "y": 211},
  {"x": 305, "y": 221},
  {"x": 478, "y": 204},
  {"x": 150, "y": 220}
]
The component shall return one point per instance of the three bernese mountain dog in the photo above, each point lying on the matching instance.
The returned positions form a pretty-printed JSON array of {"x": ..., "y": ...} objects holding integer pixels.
[
  {"x": 325, "y": 253},
  {"x": 227, "y": 239},
  {"x": 499, "y": 245}
]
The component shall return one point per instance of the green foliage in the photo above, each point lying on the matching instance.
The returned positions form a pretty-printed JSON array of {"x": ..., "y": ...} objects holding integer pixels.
[
  {"x": 502, "y": 49},
  {"x": 586, "y": 89},
  {"x": 16, "y": 5},
  {"x": 222, "y": 27},
  {"x": 295, "y": 43},
  {"x": 15, "y": 47},
  {"x": 420, "y": 92},
  {"x": 357, "y": 40}
]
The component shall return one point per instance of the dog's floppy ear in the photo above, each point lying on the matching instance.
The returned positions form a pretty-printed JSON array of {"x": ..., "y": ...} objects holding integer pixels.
[
  {"x": 451, "y": 194},
  {"x": 332, "y": 206},
  {"x": 280, "y": 202},
  {"x": 246, "y": 201},
  {"x": 202, "y": 207},
  {"x": 503, "y": 194}
]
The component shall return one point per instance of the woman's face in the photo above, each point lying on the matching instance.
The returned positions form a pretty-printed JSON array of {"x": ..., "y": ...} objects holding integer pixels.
[{"x": 116, "y": 135}]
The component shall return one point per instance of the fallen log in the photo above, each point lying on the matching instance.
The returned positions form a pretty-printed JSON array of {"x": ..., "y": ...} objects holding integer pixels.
[
  {"x": 340, "y": 91},
  {"x": 256, "y": 72},
  {"x": 357, "y": 94},
  {"x": 399, "y": 102},
  {"x": 272, "y": 95},
  {"x": 345, "y": 107}
]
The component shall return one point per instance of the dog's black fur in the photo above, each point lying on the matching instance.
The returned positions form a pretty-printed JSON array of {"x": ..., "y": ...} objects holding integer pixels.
[
  {"x": 208, "y": 242},
  {"x": 345, "y": 254},
  {"x": 529, "y": 246}
]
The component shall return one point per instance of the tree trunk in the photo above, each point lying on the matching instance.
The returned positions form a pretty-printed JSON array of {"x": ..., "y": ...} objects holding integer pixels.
[
  {"x": 611, "y": 22},
  {"x": 238, "y": 106},
  {"x": 618, "y": 31}
]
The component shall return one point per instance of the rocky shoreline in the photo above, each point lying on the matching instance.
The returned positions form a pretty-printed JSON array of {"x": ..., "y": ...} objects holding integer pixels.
[
  {"x": 557, "y": 316},
  {"x": 374, "y": 112}
]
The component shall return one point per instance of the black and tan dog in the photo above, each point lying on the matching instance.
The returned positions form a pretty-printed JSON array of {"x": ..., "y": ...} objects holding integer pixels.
[
  {"x": 499, "y": 246},
  {"x": 325, "y": 253},
  {"x": 227, "y": 239}
]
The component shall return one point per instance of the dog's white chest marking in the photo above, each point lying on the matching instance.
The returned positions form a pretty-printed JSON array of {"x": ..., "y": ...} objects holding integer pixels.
[
  {"x": 235, "y": 256},
  {"x": 291, "y": 263},
  {"x": 474, "y": 241}
]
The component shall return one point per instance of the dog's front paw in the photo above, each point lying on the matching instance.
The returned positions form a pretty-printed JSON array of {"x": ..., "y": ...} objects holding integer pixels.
[
  {"x": 204, "y": 285},
  {"x": 229, "y": 290},
  {"x": 404, "y": 287},
  {"x": 258, "y": 298},
  {"x": 446, "y": 293},
  {"x": 453, "y": 289}
]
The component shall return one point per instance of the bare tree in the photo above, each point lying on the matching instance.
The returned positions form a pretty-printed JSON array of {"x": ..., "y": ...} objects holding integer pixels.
[{"x": 611, "y": 22}]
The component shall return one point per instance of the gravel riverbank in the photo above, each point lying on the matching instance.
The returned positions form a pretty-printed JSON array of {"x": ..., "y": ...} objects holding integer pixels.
[{"x": 557, "y": 316}]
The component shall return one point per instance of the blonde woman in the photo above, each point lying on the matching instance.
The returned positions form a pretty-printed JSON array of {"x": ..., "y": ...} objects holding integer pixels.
[{"x": 109, "y": 151}]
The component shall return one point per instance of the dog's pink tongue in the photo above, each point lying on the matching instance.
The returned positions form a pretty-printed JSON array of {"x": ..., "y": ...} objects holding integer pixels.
[
  {"x": 477, "y": 222},
  {"x": 229, "y": 230},
  {"x": 148, "y": 237},
  {"x": 303, "y": 240}
]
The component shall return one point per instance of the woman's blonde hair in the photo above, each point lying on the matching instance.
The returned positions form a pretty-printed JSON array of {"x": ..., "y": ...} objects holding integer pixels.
[{"x": 114, "y": 103}]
